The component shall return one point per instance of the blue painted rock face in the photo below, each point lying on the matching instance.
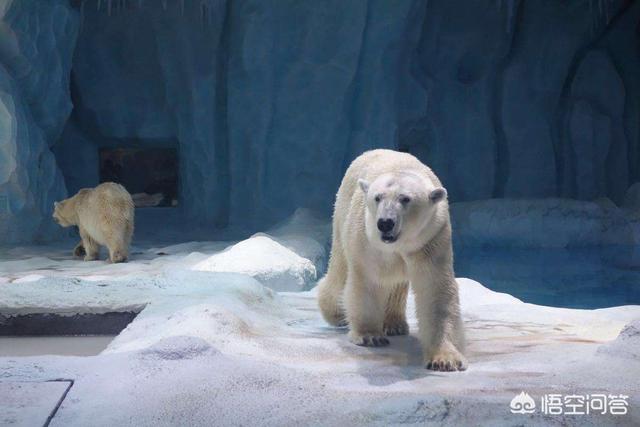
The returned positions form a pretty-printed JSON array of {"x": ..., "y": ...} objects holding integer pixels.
[
  {"x": 36, "y": 45},
  {"x": 267, "y": 102}
]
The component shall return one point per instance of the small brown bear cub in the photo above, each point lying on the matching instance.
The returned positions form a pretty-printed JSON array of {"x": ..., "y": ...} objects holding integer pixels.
[{"x": 104, "y": 216}]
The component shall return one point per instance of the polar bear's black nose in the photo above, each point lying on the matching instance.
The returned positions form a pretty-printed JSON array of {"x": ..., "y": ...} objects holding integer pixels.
[{"x": 386, "y": 224}]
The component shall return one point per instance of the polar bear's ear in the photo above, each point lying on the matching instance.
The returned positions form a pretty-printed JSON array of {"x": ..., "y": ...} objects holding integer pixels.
[
  {"x": 364, "y": 185},
  {"x": 55, "y": 205},
  {"x": 438, "y": 194}
]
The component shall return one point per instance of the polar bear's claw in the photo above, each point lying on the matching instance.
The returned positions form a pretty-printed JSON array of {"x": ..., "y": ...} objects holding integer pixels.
[
  {"x": 374, "y": 341},
  {"x": 447, "y": 362},
  {"x": 370, "y": 340},
  {"x": 400, "y": 328}
]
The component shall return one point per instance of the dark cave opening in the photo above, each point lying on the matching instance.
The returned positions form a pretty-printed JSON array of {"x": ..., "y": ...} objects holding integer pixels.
[{"x": 149, "y": 174}]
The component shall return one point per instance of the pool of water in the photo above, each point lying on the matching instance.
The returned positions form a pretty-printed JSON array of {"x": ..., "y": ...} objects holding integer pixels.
[
  {"x": 577, "y": 278},
  {"x": 53, "y": 345}
]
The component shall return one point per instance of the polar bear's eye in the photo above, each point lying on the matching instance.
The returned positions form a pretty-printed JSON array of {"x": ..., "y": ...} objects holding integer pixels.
[
  {"x": 377, "y": 198},
  {"x": 405, "y": 200}
]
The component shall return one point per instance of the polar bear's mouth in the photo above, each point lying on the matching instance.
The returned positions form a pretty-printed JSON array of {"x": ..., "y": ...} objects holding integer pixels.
[{"x": 388, "y": 237}]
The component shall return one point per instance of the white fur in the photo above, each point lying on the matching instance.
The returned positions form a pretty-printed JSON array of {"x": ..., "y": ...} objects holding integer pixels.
[
  {"x": 367, "y": 281},
  {"x": 104, "y": 216}
]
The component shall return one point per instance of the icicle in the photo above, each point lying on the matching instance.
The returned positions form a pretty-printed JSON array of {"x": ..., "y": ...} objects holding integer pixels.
[
  {"x": 602, "y": 15},
  {"x": 601, "y": 7},
  {"x": 109, "y": 7},
  {"x": 511, "y": 7},
  {"x": 81, "y": 14},
  {"x": 182, "y": 7},
  {"x": 139, "y": 4},
  {"x": 164, "y": 4},
  {"x": 593, "y": 20},
  {"x": 203, "y": 12},
  {"x": 207, "y": 12},
  {"x": 99, "y": 4}
]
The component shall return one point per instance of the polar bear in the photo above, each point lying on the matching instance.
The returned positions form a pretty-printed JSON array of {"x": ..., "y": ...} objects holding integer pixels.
[
  {"x": 104, "y": 215},
  {"x": 391, "y": 228}
]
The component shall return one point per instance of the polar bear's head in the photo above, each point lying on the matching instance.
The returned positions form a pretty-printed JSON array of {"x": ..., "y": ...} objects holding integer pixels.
[
  {"x": 63, "y": 213},
  {"x": 399, "y": 207}
]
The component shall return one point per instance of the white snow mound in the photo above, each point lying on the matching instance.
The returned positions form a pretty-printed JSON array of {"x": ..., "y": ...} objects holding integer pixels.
[{"x": 265, "y": 260}]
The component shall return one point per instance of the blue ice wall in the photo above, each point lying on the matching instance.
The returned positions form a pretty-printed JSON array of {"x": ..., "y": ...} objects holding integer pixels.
[
  {"x": 37, "y": 39},
  {"x": 268, "y": 101}
]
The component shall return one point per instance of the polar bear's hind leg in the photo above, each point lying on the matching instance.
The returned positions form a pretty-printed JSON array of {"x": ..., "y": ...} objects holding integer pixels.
[
  {"x": 91, "y": 247},
  {"x": 331, "y": 287}
]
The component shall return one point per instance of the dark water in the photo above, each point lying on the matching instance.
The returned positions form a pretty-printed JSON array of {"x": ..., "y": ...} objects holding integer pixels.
[
  {"x": 577, "y": 278},
  {"x": 57, "y": 345}
]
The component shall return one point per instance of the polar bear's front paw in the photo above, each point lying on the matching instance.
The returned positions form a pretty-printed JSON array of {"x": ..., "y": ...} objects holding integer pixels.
[
  {"x": 118, "y": 256},
  {"x": 446, "y": 360},
  {"x": 400, "y": 327},
  {"x": 79, "y": 251},
  {"x": 368, "y": 340}
]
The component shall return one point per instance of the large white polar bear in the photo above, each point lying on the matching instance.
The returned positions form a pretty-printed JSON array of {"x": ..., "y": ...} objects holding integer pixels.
[{"x": 391, "y": 228}]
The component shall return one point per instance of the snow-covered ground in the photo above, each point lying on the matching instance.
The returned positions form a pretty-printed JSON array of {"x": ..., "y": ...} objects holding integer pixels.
[{"x": 213, "y": 345}]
